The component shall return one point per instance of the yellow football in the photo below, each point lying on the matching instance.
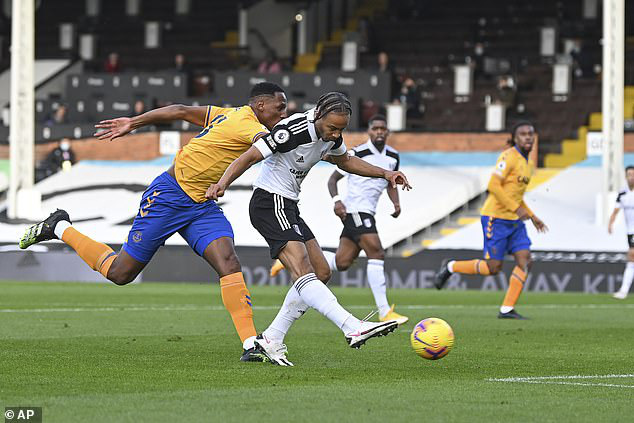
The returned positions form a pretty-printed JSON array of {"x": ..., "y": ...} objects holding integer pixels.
[{"x": 432, "y": 338}]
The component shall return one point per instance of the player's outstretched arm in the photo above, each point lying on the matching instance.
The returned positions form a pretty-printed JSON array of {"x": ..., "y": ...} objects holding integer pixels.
[
  {"x": 360, "y": 167},
  {"x": 392, "y": 193},
  {"x": 612, "y": 219},
  {"x": 339, "y": 207},
  {"x": 114, "y": 128},
  {"x": 233, "y": 172}
]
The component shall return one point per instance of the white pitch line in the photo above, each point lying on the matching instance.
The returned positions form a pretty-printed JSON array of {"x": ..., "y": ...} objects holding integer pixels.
[
  {"x": 609, "y": 385},
  {"x": 194, "y": 307},
  {"x": 523, "y": 379},
  {"x": 557, "y": 380}
]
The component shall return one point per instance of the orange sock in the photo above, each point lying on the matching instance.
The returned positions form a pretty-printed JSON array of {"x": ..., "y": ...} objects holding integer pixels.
[
  {"x": 97, "y": 255},
  {"x": 471, "y": 267},
  {"x": 237, "y": 301},
  {"x": 516, "y": 283}
]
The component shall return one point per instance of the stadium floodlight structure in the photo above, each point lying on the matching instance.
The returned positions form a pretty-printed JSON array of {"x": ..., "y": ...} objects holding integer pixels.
[
  {"x": 612, "y": 92},
  {"x": 23, "y": 201}
]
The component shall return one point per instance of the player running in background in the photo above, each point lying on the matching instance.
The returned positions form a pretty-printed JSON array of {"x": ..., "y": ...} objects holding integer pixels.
[
  {"x": 503, "y": 218},
  {"x": 625, "y": 201},
  {"x": 175, "y": 201},
  {"x": 294, "y": 146},
  {"x": 357, "y": 214}
]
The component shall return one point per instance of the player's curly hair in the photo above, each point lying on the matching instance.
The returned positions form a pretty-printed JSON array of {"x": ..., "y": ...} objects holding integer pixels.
[
  {"x": 514, "y": 128},
  {"x": 333, "y": 102}
]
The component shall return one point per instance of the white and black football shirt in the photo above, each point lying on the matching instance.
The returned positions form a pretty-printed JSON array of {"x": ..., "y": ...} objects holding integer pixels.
[
  {"x": 363, "y": 192},
  {"x": 291, "y": 150},
  {"x": 625, "y": 201}
]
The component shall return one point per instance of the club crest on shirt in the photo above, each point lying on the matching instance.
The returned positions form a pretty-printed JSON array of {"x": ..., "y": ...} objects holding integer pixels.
[{"x": 281, "y": 136}]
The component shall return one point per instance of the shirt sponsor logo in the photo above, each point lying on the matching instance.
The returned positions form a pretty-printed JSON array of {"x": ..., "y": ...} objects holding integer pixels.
[
  {"x": 523, "y": 180},
  {"x": 299, "y": 174}
]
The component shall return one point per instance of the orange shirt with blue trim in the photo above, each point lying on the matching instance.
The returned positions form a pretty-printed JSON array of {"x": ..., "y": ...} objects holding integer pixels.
[
  {"x": 515, "y": 171},
  {"x": 227, "y": 133}
]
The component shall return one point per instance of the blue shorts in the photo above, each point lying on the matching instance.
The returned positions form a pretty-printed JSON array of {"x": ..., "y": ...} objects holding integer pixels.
[
  {"x": 503, "y": 236},
  {"x": 166, "y": 209}
]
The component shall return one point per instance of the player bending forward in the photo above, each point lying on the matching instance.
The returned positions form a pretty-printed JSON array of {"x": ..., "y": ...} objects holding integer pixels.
[
  {"x": 357, "y": 214},
  {"x": 294, "y": 146},
  {"x": 625, "y": 201},
  {"x": 502, "y": 219},
  {"x": 175, "y": 201}
]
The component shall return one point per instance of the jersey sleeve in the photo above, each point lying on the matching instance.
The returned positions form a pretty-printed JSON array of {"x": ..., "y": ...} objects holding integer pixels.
[
  {"x": 338, "y": 148},
  {"x": 212, "y": 112},
  {"x": 281, "y": 140},
  {"x": 503, "y": 166},
  {"x": 619, "y": 200}
]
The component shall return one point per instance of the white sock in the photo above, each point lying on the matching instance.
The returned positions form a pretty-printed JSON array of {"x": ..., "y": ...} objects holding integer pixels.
[
  {"x": 376, "y": 280},
  {"x": 505, "y": 309},
  {"x": 450, "y": 266},
  {"x": 249, "y": 343},
  {"x": 330, "y": 258},
  {"x": 61, "y": 226},
  {"x": 292, "y": 309},
  {"x": 317, "y": 295},
  {"x": 628, "y": 275}
]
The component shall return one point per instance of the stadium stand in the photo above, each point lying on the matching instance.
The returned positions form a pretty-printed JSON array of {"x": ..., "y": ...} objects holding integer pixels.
[{"x": 498, "y": 38}]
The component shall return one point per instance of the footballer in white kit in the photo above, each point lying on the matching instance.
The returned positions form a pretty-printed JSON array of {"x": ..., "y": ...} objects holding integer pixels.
[
  {"x": 357, "y": 211},
  {"x": 292, "y": 148},
  {"x": 625, "y": 201}
]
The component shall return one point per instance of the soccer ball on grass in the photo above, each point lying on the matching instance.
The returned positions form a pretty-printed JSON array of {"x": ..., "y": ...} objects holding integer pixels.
[{"x": 432, "y": 338}]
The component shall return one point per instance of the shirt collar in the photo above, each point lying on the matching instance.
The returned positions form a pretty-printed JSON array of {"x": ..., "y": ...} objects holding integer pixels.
[
  {"x": 521, "y": 154},
  {"x": 373, "y": 148},
  {"x": 310, "y": 114}
]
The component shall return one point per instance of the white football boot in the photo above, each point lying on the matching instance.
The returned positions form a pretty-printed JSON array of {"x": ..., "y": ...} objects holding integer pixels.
[
  {"x": 275, "y": 351},
  {"x": 369, "y": 330}
]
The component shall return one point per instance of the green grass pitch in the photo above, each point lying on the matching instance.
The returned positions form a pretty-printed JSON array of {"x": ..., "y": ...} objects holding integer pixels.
[{"x": 168, "y": 352}]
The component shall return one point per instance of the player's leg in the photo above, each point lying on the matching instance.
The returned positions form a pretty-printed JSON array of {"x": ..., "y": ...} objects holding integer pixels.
[
  {"x": 515, "y": 286},
  {"x": 348, "y": 249},
  {"x": 317, "y": 295},
  {"x": 347, "y": 252},
  {"x": 210, "y": 235},
  {"x": 628, "y": 274},
  {"x": 340, "y": 260},
  {"x": 119, "y": 268},
  {"x": 315, "y": 254},
  {"x": 493, "y": 253},
  {"x": 519, "y": 245},
  {"x": 371, "y": 244}
]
